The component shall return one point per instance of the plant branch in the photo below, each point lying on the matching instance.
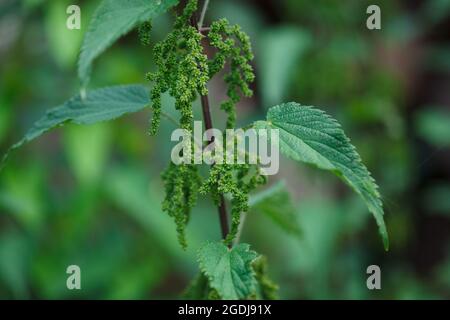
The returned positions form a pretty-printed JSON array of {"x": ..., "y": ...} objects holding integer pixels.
[
  {"x": 222, "y": 206},
  {"x": 222, "y": 209}
]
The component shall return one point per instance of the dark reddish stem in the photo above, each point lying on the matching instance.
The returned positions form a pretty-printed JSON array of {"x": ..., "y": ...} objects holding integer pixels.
[{"x": 222, "y": 208}]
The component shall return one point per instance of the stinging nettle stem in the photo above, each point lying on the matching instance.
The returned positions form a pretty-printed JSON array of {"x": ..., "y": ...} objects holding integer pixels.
[
  {"x": 222, "y": 206},
  {"x": 222, "y": 209}
]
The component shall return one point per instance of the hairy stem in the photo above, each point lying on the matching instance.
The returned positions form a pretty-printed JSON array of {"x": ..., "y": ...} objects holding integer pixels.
[{"x": 222, "y": 209}]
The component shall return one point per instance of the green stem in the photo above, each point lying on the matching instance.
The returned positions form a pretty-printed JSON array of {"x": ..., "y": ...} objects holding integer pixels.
[{"x": 222, "y": 209}]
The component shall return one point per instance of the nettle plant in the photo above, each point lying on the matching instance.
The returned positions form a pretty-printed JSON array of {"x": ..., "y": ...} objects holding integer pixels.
[{"x": 228, "y": 269}]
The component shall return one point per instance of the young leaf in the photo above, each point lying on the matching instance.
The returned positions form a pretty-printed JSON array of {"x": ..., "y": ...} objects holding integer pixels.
[
  {"x": 111, "y": 20},
  {"x": 275, "y": 202},
  {"x": 229, "y": 270},
  {"x": 310, "y": 135},
  {"x": 99, "y": 105}
]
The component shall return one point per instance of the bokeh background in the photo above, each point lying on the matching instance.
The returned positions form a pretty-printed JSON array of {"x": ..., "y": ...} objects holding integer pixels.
[{"x": 91, "y": 195}]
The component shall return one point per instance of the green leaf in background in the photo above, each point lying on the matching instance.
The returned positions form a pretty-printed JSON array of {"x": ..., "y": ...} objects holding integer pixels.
[
  {"x": 266, "y": 288},
  {"x": 280, "y": 51},
  {"x": 87, "y": 149},
  {"x": 64, "y": 43},
  {"x": 198, "y": 289},
  {"x": 24, "y": 201},
  {"x": 14, "y": 263},
  {"x": 111, "y": 20},
  {"x": 99, "y": 105},
  {"x": 31, "y": 4},
  {"x": 275, "y": 202},
  {"x": 310, "y": 135},
  {"x": 128, "y": 189},
  {"x": 238, "y": 12},
  {"x": 229, "y": 270},
  {"x": 433, "y": 125}
]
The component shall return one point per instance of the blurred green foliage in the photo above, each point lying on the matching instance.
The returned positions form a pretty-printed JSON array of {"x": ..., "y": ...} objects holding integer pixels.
[{"x": 92, "y": 196}]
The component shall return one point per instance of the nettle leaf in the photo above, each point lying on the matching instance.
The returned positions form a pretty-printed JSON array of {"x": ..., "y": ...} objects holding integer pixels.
[
  {"x": 276, "y": 203},
  {"x": 98, "y": 105},
  {"x": 113, "y": 19},
  {"x": 310, "y": 135},
  {"x": 229, "y": 271}
]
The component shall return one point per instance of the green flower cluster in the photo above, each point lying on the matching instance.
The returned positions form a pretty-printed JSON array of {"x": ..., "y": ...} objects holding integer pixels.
[
  {"x": 234, "y": 45},
  {"x": 183, "y": 70},
  {"x": 144, "y": 33},
  {"x": 181, "y": 185},
  {"x": 237, "y": 180}
]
